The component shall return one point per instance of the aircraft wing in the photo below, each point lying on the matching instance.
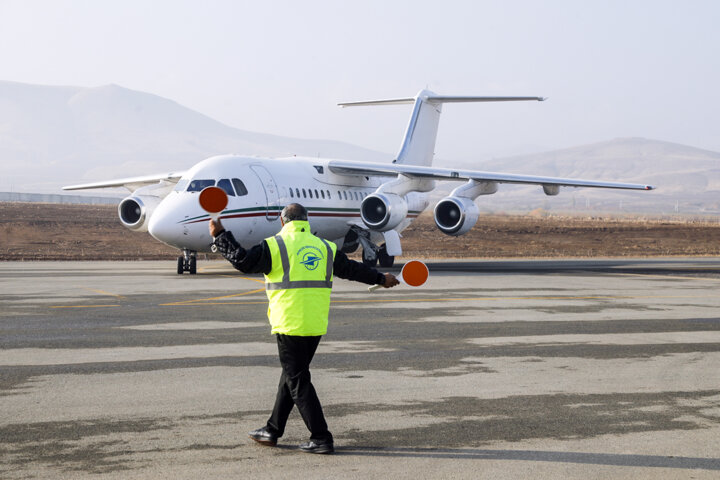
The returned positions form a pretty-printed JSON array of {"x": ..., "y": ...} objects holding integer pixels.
[
  {"x": 132, "y": 183},
  {"x": 342, "y": 167}
]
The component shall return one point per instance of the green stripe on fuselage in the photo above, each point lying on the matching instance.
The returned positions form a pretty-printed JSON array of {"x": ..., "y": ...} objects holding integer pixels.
[{"x": 278, "y": 208}]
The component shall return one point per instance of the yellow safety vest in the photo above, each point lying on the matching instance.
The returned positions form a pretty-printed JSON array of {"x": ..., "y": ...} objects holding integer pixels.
[{"x": 298, "y": 286}]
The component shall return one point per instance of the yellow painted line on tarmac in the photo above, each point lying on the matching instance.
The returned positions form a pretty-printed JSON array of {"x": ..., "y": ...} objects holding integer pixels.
[
  {"x": 249, "y": 278},
  {"x": 454, "y": 299},
  {"x": 102, "y": 292},
  {"x": 595, "y": 297},
  {"x": 83, "y": 306},
  {"x": 198, "y": 300},
  {"x": 226, "y": 275},
  {"x": 216, "y": 267},
  {"x": 210, "y": 304}
]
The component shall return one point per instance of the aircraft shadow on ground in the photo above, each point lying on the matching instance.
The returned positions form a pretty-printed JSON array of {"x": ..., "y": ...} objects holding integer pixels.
[
  {"x": 617, "y": 460},
  {"x": 617, "y": 266}
]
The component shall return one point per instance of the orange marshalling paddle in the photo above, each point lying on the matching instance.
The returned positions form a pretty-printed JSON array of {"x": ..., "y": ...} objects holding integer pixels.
[
  {"x": 213, "y": 200},
  {"x": 413, "y": 273}
]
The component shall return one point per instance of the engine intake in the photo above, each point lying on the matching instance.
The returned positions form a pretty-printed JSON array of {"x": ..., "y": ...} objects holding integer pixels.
[
  {"x": 382, "y": 212},
  {"x": 456, "y": 215},
  {"x": 135, "y": 211}
]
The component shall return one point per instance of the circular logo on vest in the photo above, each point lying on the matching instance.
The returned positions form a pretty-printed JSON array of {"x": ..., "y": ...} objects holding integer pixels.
[{"x": 311, "y": 257}]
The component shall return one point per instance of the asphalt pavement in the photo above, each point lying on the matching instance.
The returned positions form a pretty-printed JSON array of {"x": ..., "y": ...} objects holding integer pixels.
[{"x": 493, "y": 369}]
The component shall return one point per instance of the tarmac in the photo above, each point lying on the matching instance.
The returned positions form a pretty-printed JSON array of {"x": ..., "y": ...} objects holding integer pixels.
[{"x": 579, "y": 369}]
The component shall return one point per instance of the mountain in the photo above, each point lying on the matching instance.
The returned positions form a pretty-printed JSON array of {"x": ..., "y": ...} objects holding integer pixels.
[
  {"x": 687, "y": 178},
  {"x": 53, "y": 136},
  {"x": 636, "y": 160}
]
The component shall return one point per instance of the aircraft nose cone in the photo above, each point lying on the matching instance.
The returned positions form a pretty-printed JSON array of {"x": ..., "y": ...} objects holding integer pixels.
[
  {"x": 179, "y": 222},
  {"x": 161, "y": 228}
]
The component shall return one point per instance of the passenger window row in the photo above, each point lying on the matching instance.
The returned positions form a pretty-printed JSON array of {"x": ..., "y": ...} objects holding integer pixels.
[
  {"x": 235, "y": 187},
  {"x": 325, "y": 194}
]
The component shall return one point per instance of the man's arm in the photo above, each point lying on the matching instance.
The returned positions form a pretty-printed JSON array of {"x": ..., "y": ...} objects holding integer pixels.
[
  {"x": 255, "y": 260},
  {"x": 348, "y": 269}
]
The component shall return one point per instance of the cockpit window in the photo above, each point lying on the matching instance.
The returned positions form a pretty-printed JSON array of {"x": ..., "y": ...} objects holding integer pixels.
[
  {"x": 239, "y": 187},
  {"x": 225, "y": 185},
  {"x": 198, "y": 185},
  {"x": 181, "y": 185}
]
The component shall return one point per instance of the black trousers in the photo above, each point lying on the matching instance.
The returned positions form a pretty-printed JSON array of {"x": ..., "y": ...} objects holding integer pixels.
[{"x": 295, "y": 388}]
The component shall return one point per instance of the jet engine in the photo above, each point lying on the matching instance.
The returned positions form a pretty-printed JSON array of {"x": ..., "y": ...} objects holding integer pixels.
[
  {"x": 456, "y": 215},
  {"x": 383, "y": 211},
  {"x": 135, "y": 211}
]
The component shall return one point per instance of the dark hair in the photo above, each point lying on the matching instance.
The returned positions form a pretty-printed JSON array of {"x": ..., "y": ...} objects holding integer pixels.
[{"x": 294, "y": 211}]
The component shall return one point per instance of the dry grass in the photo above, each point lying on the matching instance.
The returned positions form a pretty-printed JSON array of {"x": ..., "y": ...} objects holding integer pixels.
[
  {"x": 548, "y": 236},
  {"x": 41, "y": 231},
  {"x": 33, "y": 231}
]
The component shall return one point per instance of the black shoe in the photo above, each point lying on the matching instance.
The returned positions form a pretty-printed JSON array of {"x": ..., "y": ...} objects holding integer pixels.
[
  {"x": 314, "y": 447},
  {"x": 261, "y": 435}
]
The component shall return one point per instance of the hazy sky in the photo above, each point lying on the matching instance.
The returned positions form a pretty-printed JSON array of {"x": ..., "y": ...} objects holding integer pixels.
[{"x": 611, "y": 68}]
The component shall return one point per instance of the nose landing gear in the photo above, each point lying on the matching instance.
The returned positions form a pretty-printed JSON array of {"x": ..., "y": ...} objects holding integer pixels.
[{"x": 187, "y": 262}]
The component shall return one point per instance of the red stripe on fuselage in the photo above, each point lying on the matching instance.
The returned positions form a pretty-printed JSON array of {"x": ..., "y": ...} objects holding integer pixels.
[{"x": 310, "y": 214}]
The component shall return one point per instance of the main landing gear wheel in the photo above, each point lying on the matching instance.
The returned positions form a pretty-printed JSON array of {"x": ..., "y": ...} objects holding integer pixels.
[
  {"x": 385, "y": 260},
  {"x": 187, "y": 263},
  {"x": 370, "y": 262},
  {"x": 371, "y": 252},
  {"x": 369, "y": 255}
]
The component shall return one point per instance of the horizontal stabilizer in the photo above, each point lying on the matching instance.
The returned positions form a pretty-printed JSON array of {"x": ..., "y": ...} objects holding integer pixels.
[
  {"x": 393, "y": 101},
  {"x": 433, "y": 98},
  {"x": 458, "y": 99}
]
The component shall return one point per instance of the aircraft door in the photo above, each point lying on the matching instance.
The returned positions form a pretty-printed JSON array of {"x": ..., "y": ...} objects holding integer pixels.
[{"x": 272, "y": 196}]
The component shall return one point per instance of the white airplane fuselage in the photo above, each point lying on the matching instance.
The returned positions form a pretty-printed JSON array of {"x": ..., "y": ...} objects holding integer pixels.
[
  {"x": 352, "y": 203},
  {"x": 333, "y": 201}
]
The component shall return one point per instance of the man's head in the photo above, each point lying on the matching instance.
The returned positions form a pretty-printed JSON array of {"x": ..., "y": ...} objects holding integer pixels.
[{"x": 292, "y": 212}]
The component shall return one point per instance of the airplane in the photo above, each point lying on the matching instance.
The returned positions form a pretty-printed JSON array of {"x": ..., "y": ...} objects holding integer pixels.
[{"x": 353, "y": 203}]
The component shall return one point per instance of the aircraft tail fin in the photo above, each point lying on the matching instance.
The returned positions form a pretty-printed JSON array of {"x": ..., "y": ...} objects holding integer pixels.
[{"x": 418, "y": 146}]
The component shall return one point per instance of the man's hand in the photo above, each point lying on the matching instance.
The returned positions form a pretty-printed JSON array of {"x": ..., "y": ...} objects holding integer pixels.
[
  {"x": 390, "y": 281},
  {"x": 216, "y": 227}
]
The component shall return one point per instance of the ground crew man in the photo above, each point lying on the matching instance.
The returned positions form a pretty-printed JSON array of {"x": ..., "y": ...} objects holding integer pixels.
[{"x": 299, "y": 269}]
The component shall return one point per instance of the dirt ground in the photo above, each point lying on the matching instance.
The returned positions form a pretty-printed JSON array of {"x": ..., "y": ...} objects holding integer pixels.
[{"x": 40, "y": 231}]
